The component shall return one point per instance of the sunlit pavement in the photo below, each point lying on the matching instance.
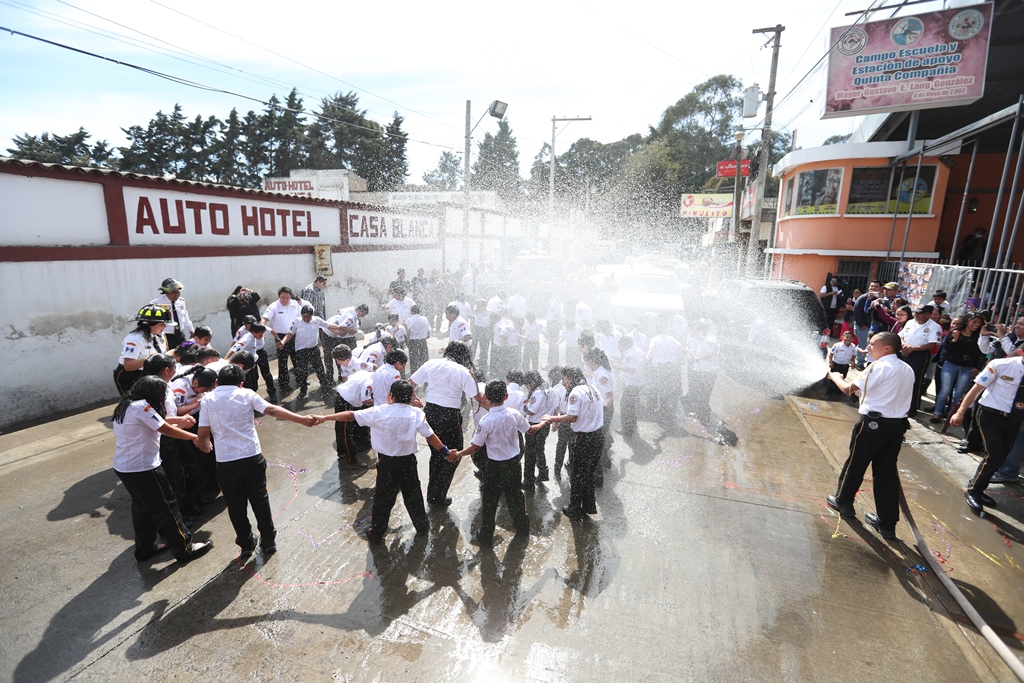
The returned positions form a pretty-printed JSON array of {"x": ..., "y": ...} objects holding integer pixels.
[{"x": 704, "y": 563}]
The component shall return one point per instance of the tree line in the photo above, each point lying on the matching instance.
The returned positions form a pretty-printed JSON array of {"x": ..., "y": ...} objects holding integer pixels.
[{"x": 242, "y": 150}]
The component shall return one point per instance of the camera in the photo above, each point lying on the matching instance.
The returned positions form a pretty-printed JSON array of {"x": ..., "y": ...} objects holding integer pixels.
[{"x": 990, "y": 327}]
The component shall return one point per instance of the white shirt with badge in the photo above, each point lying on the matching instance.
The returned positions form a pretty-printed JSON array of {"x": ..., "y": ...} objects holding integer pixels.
[
  {"x": 446, "y": 382},
  {"x": 393, "y": 428},
  {"x": 842, "y": 353},
  {"x": 354, "y": 365},
  {"x": 586, "y": 404},
  {"x": 920, "y": 334},
  {"x": 499, "y": 430},
  {"x": 228, "y": 412},
  {"x": 280, "y": 317},
  {"x": 136, "y": 347},
  {"x": 505, "y": 334},
  {"x": 398, "y": 332},
  {"x": 184, "y": 393},
  {"x": 136, "y": 440},
  {"x": 373, "y": 354},
  {"x": 348, "y": 317},
  {"x": 1001, "y": 378},
  {"x": 403, "y": 308},
  {"x": 357, "y": 389},
  {"x": 543, "y": 401},
  {"x": 458, "y": 329},
  {"x": 602, "y": 380},
  {"x": 246, "y": 342},
  {"x": 887, "y": 387}
]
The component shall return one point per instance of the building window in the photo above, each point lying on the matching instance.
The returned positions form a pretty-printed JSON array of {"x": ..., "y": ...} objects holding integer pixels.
[
  {"x": 879, "y": 192},
  {"x": 853, "y": 275},
  {"x": 818, "y": 192}
]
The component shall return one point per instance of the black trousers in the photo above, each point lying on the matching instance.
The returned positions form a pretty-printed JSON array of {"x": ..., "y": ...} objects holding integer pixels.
[
  {"x": 307, "y": 361},
  {"x": 350, "y": 437},
  {"x": 418, "y": 353},
  {"x": 998, "y": 432},
  {"x": 263, "y": 363},
  {"x": 330, "y": 343},
  {"x": 181, "y": 463},
  {"x": 586, "y": 454},
  {"x": 627, "y": 409},
  {"x": 447, "y": 425},
  {"x": 667, "y": 385},
  {"x": 562, "y": 447},
  {"x": 154, "y": 508},
  {"x": 504, "y": 480},
  {"x": 554, "y": 334},
  {"x": 918, "y": 361},
  {"x": 531, "y": 355},
  {"x": 397, "y": 474},
  {"x": 878, "y": 446},
  {"x": 244, "y": 484},
  {"x": 283, "y": 354},
  {"x": 124, "y": 379},
  {"x": 698, "y": 398},
  {"x": 533, "y": 456}
]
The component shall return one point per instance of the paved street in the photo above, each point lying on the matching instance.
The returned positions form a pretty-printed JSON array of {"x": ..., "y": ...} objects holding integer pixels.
[{"x": 704, "y": 563}]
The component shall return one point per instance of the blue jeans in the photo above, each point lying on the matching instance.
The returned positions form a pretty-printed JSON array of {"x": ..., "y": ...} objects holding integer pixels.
[
  {"x": 862, "y": 342},
  {"x": 955, "y": 379},
  {"x": 1011, "y": 467}
]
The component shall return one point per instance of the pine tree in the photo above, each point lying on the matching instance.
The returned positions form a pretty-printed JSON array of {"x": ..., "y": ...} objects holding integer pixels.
[
  {"x": 497, "y": 166},
  {"x": 70, "y": 150},
  {"x": 448, "y": 175}
]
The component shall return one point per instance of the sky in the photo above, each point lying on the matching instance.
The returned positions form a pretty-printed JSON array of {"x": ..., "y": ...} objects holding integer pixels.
[{"x": 621, "y": 64}]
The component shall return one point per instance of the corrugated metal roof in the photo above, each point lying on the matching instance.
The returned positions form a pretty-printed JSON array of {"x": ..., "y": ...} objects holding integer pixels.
[{"x": 169, "y": 180}]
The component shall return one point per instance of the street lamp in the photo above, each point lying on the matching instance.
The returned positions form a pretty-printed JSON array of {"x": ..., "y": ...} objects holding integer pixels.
[{"x": 497, "y": 110}]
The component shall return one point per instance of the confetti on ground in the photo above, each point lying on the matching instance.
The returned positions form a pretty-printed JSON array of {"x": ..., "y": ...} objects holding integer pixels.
[
  {"x": 812, "y": 406},
  {"x": 917, "y": 569}
]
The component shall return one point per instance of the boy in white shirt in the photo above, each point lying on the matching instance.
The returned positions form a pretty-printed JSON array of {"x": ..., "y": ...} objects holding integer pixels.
[
  {"x": 531, "y": 342},
  {"x": 631, "y": 372},
  {"x": 305, "y": 332},
  {"x": 840, "y": 356},
  {"x": 419, "y": 332},
  {"x": 226, "y": 415}
]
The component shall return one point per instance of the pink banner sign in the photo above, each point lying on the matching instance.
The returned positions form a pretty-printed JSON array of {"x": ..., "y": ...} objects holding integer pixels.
[{"x": 924, "y": 61}]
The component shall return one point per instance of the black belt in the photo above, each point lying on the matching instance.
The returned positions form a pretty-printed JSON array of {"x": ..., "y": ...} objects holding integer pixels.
[
  {"x": 873, "y": 415},
  {"x": 1004, "y": 413},
  {"x": 385, "y": 455}
]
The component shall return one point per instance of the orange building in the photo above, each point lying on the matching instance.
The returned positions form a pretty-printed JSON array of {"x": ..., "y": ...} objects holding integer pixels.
[{"x": 843, "y": 208}]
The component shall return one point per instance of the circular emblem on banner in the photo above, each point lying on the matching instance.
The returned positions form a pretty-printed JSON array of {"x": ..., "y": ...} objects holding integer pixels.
[
  {"x": 907, "y": 31},
  {"x": 852, "y": 42},
  {"x": 966, "y": 24},
  {"x": 920, "y": 190}
]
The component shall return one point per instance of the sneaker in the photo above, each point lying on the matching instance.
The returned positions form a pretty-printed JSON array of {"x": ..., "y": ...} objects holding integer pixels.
[{"x": 1004, "y": 478}]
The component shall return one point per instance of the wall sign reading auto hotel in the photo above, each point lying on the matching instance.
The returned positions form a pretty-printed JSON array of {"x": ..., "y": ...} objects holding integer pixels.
[{"x": 170, "y": 218}]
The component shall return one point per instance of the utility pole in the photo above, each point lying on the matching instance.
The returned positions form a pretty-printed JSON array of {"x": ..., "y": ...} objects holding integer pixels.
[
  {"x": 551, "y": 193},
  {"x": 764, "y": 153},
  {"x": 465, "y": 188}
]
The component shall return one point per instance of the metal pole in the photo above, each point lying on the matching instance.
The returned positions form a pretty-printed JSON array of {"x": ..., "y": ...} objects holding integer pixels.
[
  {"x": 910, "y": 212},
  {"x": 1013, "y": 235},
  {"x": 999, "y": 195},
  {"x": 737, "y": 194},
  {"x": 963, "y": 204},
  {"x": 465, "y": 188},
  {"x": 1006, "y": 248},
  {"x": 551, "y": 192},
  {"x": 765, "y": 153},
  {"x": 895, "y": 209}
]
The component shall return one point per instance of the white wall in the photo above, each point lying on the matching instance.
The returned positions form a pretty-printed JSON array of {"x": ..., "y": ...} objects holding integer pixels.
[{"x": 63, "y": 321}]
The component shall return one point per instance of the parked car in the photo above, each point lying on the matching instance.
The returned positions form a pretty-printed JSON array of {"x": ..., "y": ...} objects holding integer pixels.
[{"x": 644, "y": 291}]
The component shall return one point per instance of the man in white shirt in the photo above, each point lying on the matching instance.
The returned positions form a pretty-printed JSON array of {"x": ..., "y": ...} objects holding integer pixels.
[
  {"x": 278, "y": 318},
  {"x": 920, "y": 337},
  {"x": 393, "y": 428},
  {"x": 179, "y": 327},
  {"x": 226, "y": 415},
  {"x": 448, "y": 379},
  {"x": 665, "y": 356},
  {"x": 499, "y": 431},
  {"x": 401, "y": 304},
  {"x": 355, "y": 393},
  {"x": 886, "y": 390},
  {"x": 458, "y": 328},
  {"x": 585, "y": 415},
  {"x": 387, "y": 374},
  {"x": 505, "y": 345},
  {"x": 631, "y": 372},
  {"x": 304, "y": 336},
  {"x": 1000, "y": 382},
  {"x": 419, "y": 332}
]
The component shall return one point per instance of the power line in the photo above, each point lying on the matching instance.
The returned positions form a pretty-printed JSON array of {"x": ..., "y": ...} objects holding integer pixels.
[
  {"x": 294, "y": 61},
  {"x": 201, "y": 86}
]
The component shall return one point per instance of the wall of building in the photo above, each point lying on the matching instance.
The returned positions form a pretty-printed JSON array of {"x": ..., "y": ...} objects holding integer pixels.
[{"x": 75, "y": 267}]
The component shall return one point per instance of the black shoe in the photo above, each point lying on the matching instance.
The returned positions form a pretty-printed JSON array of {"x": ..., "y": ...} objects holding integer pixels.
[
  {"x": 936, "y": 419},
  {"x": 974, "y": 503},
  {"x": 843, "y": 509},
  {"x": 543, "y": 475},
  {"x": 440, "y": 503},
  {"x": 479, "y": 474},
  {"x": 195, "y": 551},
  {"x": 303, "y": 392},
  {"x": 573, "y": 513},
  {"x": 871, "y": 519},
  {"x": 268, "y": 548},
  {"x": 986, "y": 500},
  {"x": 249, "y": 547}
]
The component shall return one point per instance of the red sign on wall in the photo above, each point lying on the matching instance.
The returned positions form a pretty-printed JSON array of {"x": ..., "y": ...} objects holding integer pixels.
[{"x": 727, "y": 169}]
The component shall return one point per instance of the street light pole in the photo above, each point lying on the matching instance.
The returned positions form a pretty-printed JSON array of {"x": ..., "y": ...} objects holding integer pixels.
[
  {"x": 497, "y": 110},
  {"x": 551, "y": 193},
  {"x": 737, "y": 192},
  {"x": 764, "y": 153}
]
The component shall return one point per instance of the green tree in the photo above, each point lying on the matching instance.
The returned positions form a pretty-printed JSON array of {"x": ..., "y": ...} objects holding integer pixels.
[
  {"x": 497, "y": 166},
  {"x": 836, "y": 139},
  {"x": 197, "y": 149},
  {"x": 227, "y": 151},
  {"x": 448, "y": 175},
  {"x": 286, "y": 134},
  {"x": 336, "y": 136},
  {"x": 69, "y": 150},
  {"x": 157, "y": 149},
  {"x": 255, "y": 149}
]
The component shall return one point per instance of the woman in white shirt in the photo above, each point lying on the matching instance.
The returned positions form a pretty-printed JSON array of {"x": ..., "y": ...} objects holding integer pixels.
[
  {"x": 600, "y": 370},
  {"x": 138, "y": 424},
  {"x": 140, "y": 344}
]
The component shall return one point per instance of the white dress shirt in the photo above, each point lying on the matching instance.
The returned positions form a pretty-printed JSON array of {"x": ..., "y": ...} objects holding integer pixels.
[
  {"x": 418, "y": 326},
  {"x": 393, "y": 428},
  {"x": 227, "y": 411},
  {"x": 1001, "y": 377},
  {"x": 586, "y": 404},
  {"x": 358, "y": 388},
  {"x": 499, "y": 431},
  {"x": 446, "y": 382},
  {"x": 458, "y": 330},
  {"x": 280, "y": 318},
  {"x": 887, "y": 387},
  {"x": 136, "y": 440},
  {"x": 383, "y": 378}
]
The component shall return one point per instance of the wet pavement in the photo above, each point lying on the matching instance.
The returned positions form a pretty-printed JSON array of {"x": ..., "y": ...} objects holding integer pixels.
[{"x": 704, "y": 563}]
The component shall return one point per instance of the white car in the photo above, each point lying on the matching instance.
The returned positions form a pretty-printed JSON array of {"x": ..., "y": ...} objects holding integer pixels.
[{"x": 645, "y": 291}]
